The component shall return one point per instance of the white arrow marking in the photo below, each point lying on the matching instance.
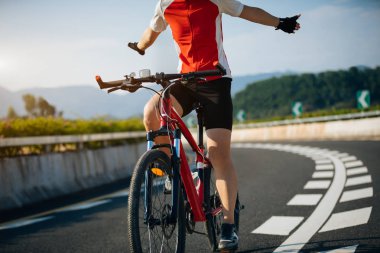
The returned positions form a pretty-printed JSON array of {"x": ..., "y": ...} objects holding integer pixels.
[
  {"x": 296, "y": 108},
  {"x": 362, "y": 97}
]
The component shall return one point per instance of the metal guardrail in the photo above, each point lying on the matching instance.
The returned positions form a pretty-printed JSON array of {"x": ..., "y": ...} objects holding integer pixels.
[
  {"x": 78, "y": 139},
  {"x": 63, "y": 139},
  {"x": 310, "y": 120}
]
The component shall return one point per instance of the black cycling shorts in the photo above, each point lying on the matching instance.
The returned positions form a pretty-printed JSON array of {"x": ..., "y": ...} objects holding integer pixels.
[{"x": 214, "y": 96}]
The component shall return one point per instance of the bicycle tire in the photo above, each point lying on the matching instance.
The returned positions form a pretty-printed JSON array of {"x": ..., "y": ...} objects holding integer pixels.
[
  {"x": 154, "y": 237},
  {"x": 212, "y": 201},
  {"x": 214, "y": 222}
]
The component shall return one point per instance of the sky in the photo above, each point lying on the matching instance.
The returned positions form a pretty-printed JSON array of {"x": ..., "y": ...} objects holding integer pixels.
[{"x": 50, "y": 43}]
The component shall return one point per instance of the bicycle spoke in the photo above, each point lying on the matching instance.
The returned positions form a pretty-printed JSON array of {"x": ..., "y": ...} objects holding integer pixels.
[{"x": 155, "y": 234}]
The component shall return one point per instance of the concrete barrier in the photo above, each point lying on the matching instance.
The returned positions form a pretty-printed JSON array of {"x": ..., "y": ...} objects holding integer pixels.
[
  {"x": 29, "y": 179},
  {"x": 367, "y": 128}
]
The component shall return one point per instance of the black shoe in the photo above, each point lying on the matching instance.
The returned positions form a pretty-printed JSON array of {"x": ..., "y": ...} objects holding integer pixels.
[{"x": 229, "y": 239}]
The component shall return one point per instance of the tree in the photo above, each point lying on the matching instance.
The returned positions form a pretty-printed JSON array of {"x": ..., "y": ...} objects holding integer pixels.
[
  {"x": 11, "y": 113},
  {"x": 327, "y": 90},
  {"x": 45, "y": 109},
  {"x": 38, "y": 108},
  {"x": 30, "y": 104}
]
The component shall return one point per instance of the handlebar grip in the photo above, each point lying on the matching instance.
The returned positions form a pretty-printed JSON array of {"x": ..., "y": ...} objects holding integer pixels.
[{"x": 106, "y": 85}]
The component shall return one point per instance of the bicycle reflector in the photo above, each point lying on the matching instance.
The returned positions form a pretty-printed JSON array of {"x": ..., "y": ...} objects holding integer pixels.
[{"x": 158, "y": 172}]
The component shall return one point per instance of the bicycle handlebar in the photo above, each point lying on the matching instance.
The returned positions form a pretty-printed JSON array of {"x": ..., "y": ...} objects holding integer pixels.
[{"x": 135, "y": 83}]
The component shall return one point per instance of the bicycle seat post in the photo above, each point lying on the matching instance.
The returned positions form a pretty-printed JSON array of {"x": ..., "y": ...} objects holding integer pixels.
[{"x": 199, "y": 110}]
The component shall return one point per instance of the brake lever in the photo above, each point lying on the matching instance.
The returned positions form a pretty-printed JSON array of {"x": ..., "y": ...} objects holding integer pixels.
[
  {"x": 113, "y": 89},
  {"x": 130, "y": 88}
]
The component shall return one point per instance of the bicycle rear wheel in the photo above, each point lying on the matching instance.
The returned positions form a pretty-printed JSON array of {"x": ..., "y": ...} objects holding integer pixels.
[
  {"x": 154, "y": 233},
  {"x": 214, "y": 214}
]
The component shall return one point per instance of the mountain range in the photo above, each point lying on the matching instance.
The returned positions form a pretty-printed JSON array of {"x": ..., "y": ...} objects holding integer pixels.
[{"x": 87, "y": 101}]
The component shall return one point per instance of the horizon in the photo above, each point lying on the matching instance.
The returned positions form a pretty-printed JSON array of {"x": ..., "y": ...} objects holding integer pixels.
[{"x": 58, "y": 44}]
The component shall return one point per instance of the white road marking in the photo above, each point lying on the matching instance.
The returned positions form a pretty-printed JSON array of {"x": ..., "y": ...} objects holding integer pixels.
[
  {"x": 341, "y": 155},
  {"x": 315, "y": 157},
  {"x": 279, "y": 225},
  {"x": 333, "y": 152},
  {"x": 323, "y": 174},
  {"x": 324, "y": 167},
  {"x": 317, "y": 184},
  {"x": 325, "y": 161},
  {"x": 307, "y": 229},
  {"x": 37, "y": 217},
  {"x": 353, "y": 164},
  {"x": 357, "y": 171},
  {"x": 124, "y": 193},
  {"x": 359, "y": 180},
  {"x": 305, "y": 200},
  {"x": 357, "y": 194},
  {"x": 297, "y": 240},
  {"x": 348, "y": 159},
  {"x": 25, "y": 222},
  {"x": 348, "y": 249},
  {"x": 83, "y": 206},
  {"x": 347, "y": 219}
]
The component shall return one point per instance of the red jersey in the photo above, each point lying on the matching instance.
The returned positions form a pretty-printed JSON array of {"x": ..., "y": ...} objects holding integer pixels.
[{"x": 197, "y": 30}]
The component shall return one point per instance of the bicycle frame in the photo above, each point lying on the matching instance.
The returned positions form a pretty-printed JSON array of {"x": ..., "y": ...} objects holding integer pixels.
[{"x": 173, "y": 126}]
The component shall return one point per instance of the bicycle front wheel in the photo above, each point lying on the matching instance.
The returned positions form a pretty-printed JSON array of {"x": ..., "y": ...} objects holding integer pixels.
[{"x": 149, "y": 207}]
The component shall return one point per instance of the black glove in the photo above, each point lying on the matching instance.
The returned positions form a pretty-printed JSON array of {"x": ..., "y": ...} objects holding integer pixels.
[
  {"x": 134, "y": 47},
  {"x": 288, "y": 25}
]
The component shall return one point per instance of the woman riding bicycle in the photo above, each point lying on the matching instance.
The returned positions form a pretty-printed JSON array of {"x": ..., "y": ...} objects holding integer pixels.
[{"x": 197, "y": 31}]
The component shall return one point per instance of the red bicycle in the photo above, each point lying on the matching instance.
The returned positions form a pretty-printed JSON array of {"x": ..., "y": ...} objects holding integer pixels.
[{"x": 167, "y": 197}]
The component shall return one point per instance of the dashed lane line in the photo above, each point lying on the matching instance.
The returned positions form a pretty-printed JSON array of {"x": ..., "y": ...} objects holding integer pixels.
[
  {"x": 317, "y": 184},
  {"x": 353, "y": 164},
  {"x": 86, "y": 205},
  {"x": 305, "y": 200},
  {"x": 324, "y": 161},
  {"x": 282, "y": 225},
  {"x": 323, "y": 174},
  {"x": 347, "y": 219},
  {"x": 357, "y": 171},
  {"x": 357, "y": 194},
  {"x": 348, "y": 159},
  {"x": 325, "y": 167},
  {"x": 32, "y": 219},
  {"x": 21, "y": 223},
  {"x": 359, "y": 180}
]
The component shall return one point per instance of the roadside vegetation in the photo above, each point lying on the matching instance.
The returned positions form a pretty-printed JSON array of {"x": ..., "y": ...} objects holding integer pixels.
[{"x": 326, "y": 93}]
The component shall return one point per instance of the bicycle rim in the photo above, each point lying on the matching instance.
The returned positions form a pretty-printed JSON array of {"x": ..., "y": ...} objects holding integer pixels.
[
  {"x": 214, "y": 215},
  {"x": 153, "y": 234}
]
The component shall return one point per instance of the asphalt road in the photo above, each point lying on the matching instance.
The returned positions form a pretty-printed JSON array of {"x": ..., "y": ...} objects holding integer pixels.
[{"x": 307, "y": 196}]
